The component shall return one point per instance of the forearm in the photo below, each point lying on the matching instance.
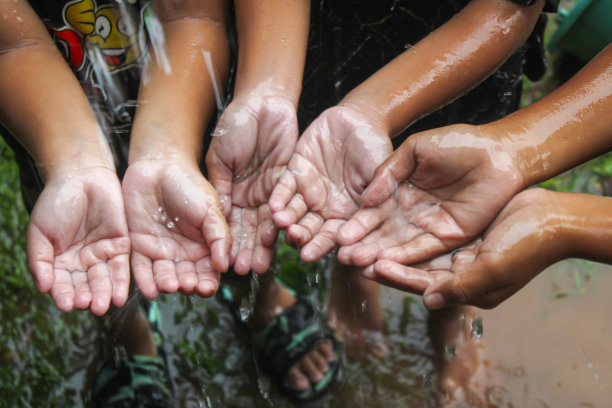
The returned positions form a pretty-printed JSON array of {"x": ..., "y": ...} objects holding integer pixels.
[
  {"x": 447, "y": 63},
  {"x": 178, "y": 96},
  {"x": 585, "y": 226},
  {"x": 568, "y": 127},
  {"x": 42, "y": 103},
  {"x": 272, "y": 39}
]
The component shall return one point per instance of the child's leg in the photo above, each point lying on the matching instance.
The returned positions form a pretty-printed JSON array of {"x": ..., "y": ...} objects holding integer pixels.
[
  {"x": 272, "y": 300},
  {"x": 461, "y": 358}
]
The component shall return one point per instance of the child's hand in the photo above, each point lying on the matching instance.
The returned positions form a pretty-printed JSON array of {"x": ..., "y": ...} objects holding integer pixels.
[
  {"x": 78, "y": 245},
  {"x": 438, "y": 191},
  {"x": 255, "y": 139},
  {"x": 516, "y": 248},
  {"x": 333, "y": 162},
  {"x": 180, "y": 240}
]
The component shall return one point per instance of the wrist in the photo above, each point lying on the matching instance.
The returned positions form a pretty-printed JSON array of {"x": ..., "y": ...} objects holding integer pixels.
[
  {"x": 369, "y": 112},
  {"x": 269, "y": 86},
  {"x": 74, "y": 154}
]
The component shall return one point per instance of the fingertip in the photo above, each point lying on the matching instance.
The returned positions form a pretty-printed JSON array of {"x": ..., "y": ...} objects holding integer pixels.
[
  {"x": 100, "y": 304},
  {"x": 65, "y": 303},
  {"x": 434, "y": 301},
  {"x": 207, "y": 288},
  {"x": 368, "y": 272},
  {"x": 282, "y": 219}
]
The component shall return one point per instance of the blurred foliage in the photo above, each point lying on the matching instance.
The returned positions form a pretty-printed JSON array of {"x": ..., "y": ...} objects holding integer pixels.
[{"x": 34, "y": 336}]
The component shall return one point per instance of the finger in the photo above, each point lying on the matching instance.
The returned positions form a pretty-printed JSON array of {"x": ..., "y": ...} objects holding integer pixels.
[
  {"x": 401, "y": 277},
  {"x": 218, "y": 238},
  {"x": 419, "y": 249},
  {"x": 187, "y": 278},
  {"x": 208, "y": 278},
  {"x": 294, "y": 211},
  {"x": 164, "y": 273},
  {"x": 82, "y": 294},
  {"x": 365, "y": 255},
  {"x": 364, "y": 221},
  {"x": 220, "y": 177},
  {"x": 323, "y": 243},
  {"x": 397, "y": 168},
  {"x": 40, "y": 258},
  {"x": 284, "y": 190},
  {"x": 142, "y": 268},
  {"x": 101, "y": 288},
  {"x": 265, "y": 238},
  {"x": 119, "y": 269},
  {"x": 303, "y": 232},
  {"x": 244, "y": 231},
  {"x": 62, "y": 290}
]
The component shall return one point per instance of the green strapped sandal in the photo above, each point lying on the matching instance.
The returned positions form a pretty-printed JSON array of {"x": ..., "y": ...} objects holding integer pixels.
[
  {"x": 288, "y": 338},
  {"x": 137, "y": 381}
]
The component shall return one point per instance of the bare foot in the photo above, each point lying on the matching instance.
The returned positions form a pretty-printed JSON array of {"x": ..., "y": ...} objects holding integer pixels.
[
  {"x": 272, "y": 299},
  {"x": 355, "y": 313},
  {"x": 461, "y": 358}
]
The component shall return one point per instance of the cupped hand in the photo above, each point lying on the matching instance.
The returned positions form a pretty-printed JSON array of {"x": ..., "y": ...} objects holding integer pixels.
[
  {"x": 334, "y": 161},
  {"x": 438, "y": 191},
  {"x": 180, "y": 240},
  {"x": 516, "y": 248},
  {"x": 78, "y": 245},
  {"x": 254, "y": 140}
]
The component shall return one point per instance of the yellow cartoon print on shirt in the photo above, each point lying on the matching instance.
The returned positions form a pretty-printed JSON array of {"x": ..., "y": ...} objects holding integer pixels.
[{"x": 111, "y": 32}]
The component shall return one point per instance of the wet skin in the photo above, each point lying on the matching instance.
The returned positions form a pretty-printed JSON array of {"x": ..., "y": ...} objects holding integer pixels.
[
  {"x": 257, "y": 132},
  {"x": 254, "y": 141},
  {"x": 77, "y": 237},
  {"x": 186, "y": 245},
  {"x": 442, "y": 66},
  {"x": 536, "y": 229},
  {"x": 465, "y": 181}
]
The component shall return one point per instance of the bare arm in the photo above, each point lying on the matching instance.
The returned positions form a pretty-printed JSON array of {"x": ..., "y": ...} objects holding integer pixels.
[
  {"x": 566, "y": 128},
  {"x": 180, "y": 240},
  {"x": 446, "y": 64},
  {"x": 41, "y": 102},
  {"x": 272, "y": 38}
]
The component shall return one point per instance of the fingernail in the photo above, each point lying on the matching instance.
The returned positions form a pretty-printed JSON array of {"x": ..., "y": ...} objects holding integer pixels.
[{"x": 433, "y": 301}]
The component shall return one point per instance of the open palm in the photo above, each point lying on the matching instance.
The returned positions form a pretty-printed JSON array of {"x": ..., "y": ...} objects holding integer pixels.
[
  {"x": 333, "y": 162},
  {"x": 438, "y": 191},
  {"x": 180, "y": 240},
  {"x": 255, "y": 139},
  {"x": 78, "y": 246}
]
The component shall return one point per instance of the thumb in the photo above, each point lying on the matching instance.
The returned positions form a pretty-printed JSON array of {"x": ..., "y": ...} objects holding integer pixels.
[{"x": 397, "y": 168}]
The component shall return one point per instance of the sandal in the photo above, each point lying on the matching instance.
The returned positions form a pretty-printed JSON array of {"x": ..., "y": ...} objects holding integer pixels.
[
  {"x": 285, "y": 340},
  {"x": 137, "y": 381}
]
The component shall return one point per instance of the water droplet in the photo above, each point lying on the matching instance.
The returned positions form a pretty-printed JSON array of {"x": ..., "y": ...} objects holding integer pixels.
[
  {"x": 337, "y": 84},
  {"x": 476, "y": 329},
  {"x": 176, "y": 219},
  {"x": 163, "y": 217},
  {"x": 19, "y": 19},
  {"x": 244, "y": 313},
  {"x": 283, "y": 39},
  {"x": 156, "y": 217},
  {"x": 170, "y": 225},
  {"x": 186, "y": 201},
  {"x": 364, "y": 306},
  {"x": 450, "y": 351},
  {"x": 220, "y": 131},
  {"x": 160, "y": 209}
]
